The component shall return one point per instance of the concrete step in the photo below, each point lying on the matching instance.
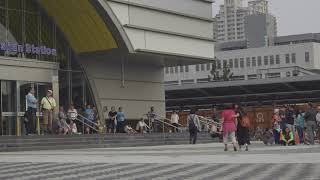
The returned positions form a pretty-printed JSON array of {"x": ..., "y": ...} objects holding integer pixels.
[{"x": 26, "y": 143}]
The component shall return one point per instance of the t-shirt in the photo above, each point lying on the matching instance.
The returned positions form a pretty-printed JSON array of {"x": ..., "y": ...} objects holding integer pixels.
[
  {"x": 112, "y": 114},
  {"x": 89, "y": 113},
  {"x": 120, "y": 116},
  {"x": 48, "y": 103},
  {"x": 175, "y": 118},
  {"x": 31, "y": 101}
]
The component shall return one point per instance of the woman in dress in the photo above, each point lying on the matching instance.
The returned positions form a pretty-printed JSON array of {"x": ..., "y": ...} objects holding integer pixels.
[
  {"x": 243, "y": 134},
  {"x": 228, "y": 121}
]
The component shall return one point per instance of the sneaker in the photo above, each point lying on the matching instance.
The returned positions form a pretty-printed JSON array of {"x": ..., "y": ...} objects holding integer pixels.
[
  {"x": 247, "y": 149},
  {"x": 235, "y": 148}
]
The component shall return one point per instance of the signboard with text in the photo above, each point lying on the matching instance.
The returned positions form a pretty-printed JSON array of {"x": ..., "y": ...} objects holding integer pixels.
[{"x": 27, "y": 48}]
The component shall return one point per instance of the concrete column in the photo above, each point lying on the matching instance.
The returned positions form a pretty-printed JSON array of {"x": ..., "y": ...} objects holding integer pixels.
[{"x": 55, "y": 89}]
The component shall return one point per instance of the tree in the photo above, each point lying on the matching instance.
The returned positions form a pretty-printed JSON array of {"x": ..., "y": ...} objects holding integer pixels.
[
  {"x": 215, "y": 73},
  {"x": 226, "y": 73}
]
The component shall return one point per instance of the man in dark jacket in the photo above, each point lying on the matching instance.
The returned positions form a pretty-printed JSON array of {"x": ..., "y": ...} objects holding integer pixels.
[
  {"x": 290, "y": 119},
  {"x": 310, "y": 118}
]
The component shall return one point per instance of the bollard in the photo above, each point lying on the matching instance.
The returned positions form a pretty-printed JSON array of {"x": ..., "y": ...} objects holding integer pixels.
[
  {"x": 38, "y": 125},
  {"x": 18, "y": 127}
]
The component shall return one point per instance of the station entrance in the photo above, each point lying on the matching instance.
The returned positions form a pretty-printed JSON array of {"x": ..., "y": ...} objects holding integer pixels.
[{"x": 13, "y": 104}]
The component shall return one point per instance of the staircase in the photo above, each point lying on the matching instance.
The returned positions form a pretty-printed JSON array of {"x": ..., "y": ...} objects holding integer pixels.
[{"x": 53, "y": 142}]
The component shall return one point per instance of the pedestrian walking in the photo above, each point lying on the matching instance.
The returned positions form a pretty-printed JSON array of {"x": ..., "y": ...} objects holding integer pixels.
[
  {"x": 243, "y": 134},
  {"x": 194, "y": 126},
  {"x": 228, "y": 121},
  {"x": 174, "y": 121},
  {"x": 310, "y": 118}
]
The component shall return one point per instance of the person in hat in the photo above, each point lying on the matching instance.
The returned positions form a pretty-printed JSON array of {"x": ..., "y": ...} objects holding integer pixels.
[{"x": 48, "y": 104}]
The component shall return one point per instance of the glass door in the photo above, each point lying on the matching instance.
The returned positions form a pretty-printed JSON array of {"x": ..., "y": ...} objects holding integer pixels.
[{"x": 8, "y": 108}]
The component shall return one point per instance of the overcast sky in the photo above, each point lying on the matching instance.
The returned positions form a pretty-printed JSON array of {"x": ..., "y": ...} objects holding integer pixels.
[{"x": 293, "y": 16}]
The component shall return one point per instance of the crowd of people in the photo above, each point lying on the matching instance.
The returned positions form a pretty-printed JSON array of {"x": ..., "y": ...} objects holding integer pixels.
[
  {"x": 294, "y": 126},
  {"x": 290, "y": 126}
]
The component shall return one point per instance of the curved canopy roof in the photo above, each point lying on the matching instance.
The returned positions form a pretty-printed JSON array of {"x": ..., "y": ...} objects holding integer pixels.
[{"x": 81, "y": 25}]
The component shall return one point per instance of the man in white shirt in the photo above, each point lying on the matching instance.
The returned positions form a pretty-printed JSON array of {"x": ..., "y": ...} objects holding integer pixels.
[{"x": 175, "y": 121}]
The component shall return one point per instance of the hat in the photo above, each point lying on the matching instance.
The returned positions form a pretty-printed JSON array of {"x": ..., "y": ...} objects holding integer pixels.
[{"x": 50, "y": 91}]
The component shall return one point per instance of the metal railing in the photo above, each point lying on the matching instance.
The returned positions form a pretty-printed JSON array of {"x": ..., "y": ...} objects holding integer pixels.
[
  {"x": 152, "y": 122},
  {"x": 85, "y": 124}
]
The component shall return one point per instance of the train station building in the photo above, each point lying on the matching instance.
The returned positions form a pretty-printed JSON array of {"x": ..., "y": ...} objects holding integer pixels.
[{"x": 100, "y": 52}]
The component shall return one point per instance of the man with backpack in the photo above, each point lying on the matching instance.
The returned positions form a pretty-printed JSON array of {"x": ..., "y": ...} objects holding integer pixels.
[
  {"x": 194, "y": 126},
  {"x": 311, "y": 121}
]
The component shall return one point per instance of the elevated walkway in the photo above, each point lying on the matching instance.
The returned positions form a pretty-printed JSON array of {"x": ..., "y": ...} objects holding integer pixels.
[{"x": 55, "y": 142}]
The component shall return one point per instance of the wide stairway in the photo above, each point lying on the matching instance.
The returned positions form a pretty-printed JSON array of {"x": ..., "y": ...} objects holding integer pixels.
[{"x": 29, "y": 143}]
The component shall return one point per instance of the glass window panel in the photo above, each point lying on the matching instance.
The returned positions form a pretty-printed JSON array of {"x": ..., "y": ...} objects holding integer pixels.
[
  {"x": 15, "y": 4},
  {"x": 248, "y": 62},
  {"x": 287, "y": 58},
  {"x": 254, "y": 62},
  {"x": 236, "y": 63},
  {"x": 197, "y": 67},
  {"x": 259, "y": 61},
  {"x": 241, "y": 62},
  {"x": 266, "y": 60},
  {"x": 187, "y": 68},
  {"x": 293, "y": 57},
  {"x": 202, "y": 67},
  {"x": 181, "y": 69},
  {"x": 230, "y": 63},
  {"x": 271, "y": 60},
  {"x": 176, "y": 69},
  {"x": 32, "y": 31},
  {"x": 307, "y": 57},
  {"x": 277, "y": 59}
]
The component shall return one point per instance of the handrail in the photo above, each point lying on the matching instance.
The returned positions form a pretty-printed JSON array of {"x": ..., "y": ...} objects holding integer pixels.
[
  {"x": 168, "y": 120},
  {"x": 163, "y": 123},
  {"x": 84, "y": 123},
  {"x": 209, "y": 120},
  {"x": 167, "y": 124}
]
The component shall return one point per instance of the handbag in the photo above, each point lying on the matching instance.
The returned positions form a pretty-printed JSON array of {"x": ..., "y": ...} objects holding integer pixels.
[{"x": 245, "y": 122}]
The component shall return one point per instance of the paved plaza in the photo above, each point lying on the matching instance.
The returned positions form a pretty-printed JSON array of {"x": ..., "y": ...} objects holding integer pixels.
[{"x": 192, "y": 162}]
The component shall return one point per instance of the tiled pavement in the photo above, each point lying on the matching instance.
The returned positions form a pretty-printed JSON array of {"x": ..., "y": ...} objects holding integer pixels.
[{"x": 185, "y": 162}]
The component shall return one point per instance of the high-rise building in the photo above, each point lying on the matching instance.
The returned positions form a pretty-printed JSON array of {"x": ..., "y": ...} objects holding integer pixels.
[
  {"x": 260, "y": 30},
  {"x": 231, "y": 18},
  {"x": 258, "y": 7}
]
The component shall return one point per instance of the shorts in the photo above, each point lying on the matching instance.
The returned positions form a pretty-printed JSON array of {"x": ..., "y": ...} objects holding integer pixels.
[{"x": 112, "y": 125}]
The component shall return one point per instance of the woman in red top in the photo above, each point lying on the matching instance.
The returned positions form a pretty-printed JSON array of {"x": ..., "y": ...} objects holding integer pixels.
[{"x": 229, "y": 127}]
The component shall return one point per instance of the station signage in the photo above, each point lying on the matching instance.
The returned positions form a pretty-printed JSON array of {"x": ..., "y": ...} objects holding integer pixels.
[{"x": 27, "y": 48}]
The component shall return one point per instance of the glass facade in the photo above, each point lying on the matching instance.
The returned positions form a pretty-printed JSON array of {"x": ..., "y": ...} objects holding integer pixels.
[{"x": 24, "y": 22}]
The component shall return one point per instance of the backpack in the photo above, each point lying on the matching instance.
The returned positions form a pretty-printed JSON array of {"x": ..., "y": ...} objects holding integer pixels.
[
  {"x": 192, "y": 125},
  {"x": 318, "y": 117},
  {"x": 245, "y": 122}
]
